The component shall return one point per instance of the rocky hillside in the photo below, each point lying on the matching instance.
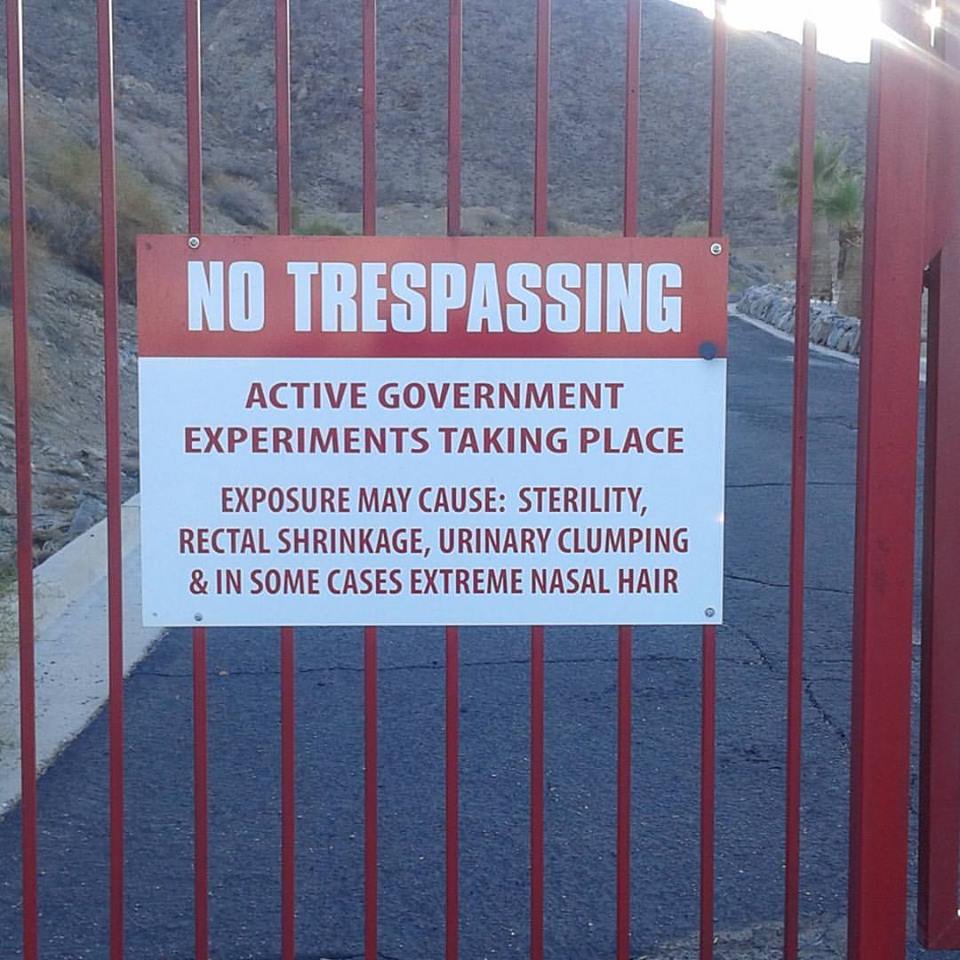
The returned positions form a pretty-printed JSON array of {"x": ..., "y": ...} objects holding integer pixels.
[
  {"x": 587, "y": 90},
  {"x": 586, "y": 156}
]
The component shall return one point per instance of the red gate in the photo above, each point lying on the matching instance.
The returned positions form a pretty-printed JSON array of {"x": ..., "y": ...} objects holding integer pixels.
[{"x": 913, "y": 215}]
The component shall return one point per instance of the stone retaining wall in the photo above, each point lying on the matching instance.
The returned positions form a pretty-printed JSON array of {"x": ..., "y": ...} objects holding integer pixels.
[{"x": 774, "y": 304}]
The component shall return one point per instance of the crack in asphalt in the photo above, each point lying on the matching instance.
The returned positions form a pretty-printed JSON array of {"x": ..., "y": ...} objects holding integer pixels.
[
  {"x": 834, "y": 422},
  {"x": 761, "y": 653},
  {"x": 825, "y": 714},
  {"x": 739, "y": 578}
]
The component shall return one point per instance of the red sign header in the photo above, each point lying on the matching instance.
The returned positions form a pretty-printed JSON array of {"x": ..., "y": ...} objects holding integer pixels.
[{"x": 431, "y": 296}]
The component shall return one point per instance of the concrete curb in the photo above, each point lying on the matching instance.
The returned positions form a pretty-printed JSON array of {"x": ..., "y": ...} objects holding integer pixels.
[
  {"x": 788, "y": 337},
  {"x": 732, "y": 311},
  {"x": 775, "y": 304},
  {"x": 71, "y": 645}
]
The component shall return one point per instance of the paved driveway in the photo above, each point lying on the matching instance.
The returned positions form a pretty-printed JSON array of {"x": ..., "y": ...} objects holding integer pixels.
[{"x": 581, "y": 673}]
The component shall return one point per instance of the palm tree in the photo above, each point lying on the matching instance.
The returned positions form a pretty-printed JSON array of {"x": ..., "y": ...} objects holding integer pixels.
[
  {"x": 844, "y": 207},
  {"x": 828, "y": 167}
]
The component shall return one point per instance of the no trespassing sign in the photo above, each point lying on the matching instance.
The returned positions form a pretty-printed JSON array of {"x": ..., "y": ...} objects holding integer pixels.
[{"x": 430, "y": 430}]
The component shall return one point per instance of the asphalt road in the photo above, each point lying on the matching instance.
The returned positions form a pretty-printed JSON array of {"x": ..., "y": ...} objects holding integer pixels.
[{"x": 581, "y": 673}]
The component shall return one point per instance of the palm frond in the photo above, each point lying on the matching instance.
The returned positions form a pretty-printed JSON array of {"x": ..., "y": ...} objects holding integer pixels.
[
  {"x": 843, "y": 203},
  {"x": 829, "y": 168}
]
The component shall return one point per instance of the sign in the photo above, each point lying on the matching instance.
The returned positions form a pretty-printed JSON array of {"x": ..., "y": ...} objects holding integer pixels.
[{"x": 429, "y": 430}]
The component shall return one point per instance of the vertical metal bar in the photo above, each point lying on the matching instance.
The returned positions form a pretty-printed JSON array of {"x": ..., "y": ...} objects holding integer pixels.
[
  {"x": 798, "y": 488},
  {"x": 718, "y": 120},
  {"x": 370, "y": 791},
  {"x": 370, "y": 633},
  {"x": 287, "y": 795},
  {"x": 452, "y": 638},
  {"x": 631, "y": 144},
  {"x": 201, "y": 868},
  {"x": 453, "y": 792},
  {"x": 22, "y": 441},
  {"x": 108, "y": 211},
  {"x": 886, "y": 492},
  {"x": 624, "y": 724},
  {"x": 541, "y": 196},
  {"x": 454, "y": 116},
  {"x": 288, "y": 748},
  {"x": 708, "y": 788},
  {"x": 369, "y": 117},
  {"x": 939, "y": 840},
  {"x": 284, "y": 162},
  {"x": 194, "y": 119},
  {"x": 625, "y": 633},
  {"x": 201, "y": 860},
  {"x": 537, "y": 784},
  {"x": 541, "y": 159},
  {"x": 708, "y": 694},
  {"x": 938, "y": 918}
]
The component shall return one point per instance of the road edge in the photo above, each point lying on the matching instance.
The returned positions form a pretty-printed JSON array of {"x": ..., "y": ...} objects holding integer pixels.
[{"x": 71, "y": 645}]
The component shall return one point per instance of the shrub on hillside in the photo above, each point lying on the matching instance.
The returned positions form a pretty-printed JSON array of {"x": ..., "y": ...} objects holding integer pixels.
[
  {"x": 67, "y": 213},
  {"x": 317, "y": 226},
  {"x": 692, "y": 228},
  {"x": 6, "y": 267},
  {"x": 38, "y": 382},
  {"x": 237, "y": 200},
  {"x": 35, "y": 259}
]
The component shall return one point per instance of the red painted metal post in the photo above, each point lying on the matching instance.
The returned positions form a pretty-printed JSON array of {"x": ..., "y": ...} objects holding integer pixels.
[
  {"x": 370, "y": 791},
  {"x": 108, "y": 193},
  {"x": 541, "y": 159},
  {"x": 718, "y": 120},
  {"x": 194, "y": 119},
  {"x": 24, "y": 494},
  {"x": 541, "y": 195},
  {"x": 886, "y": 491},
  {"x": 452, "y": 636},
  {"x": 624, "y": 792},
  {"x": 370, "y": 633},
  {"x": 939, "y": 828},
  {"x": 369, "y": 117},
  {"x": 288, "y": 811},
  {"x": 454, "y": 116},
  {"x": 537, "y": 785},
  {"x": 631, "y": 144},
  {"x": 284, "y": 161},
  {"x": 201, "y": 866},
  {"x": 453, "y": 793},
  {"x": 625, "y": 633},
  {"x": 288, "y": 747},
  {"x": 201, "y": 857},
  {"x": 939, "y": 841},
  {"x": 798, "y": 488},
  {"x": 708, "y": 788},
  {"x": 708, "y": 693}
]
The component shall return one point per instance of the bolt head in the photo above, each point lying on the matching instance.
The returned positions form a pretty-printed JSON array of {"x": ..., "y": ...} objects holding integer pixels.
[
  {"x": 716, "y": 249},
  {"x": 193, "y": 243},
  {"x": 198, "y": 617},
  {"x": 710, "y": 612}
]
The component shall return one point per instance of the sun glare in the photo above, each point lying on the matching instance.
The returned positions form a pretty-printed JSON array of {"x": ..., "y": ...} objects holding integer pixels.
[{"x": 844, "y": 27}]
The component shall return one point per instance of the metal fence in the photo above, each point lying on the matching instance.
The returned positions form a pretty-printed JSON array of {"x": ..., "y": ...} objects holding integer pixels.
[{"x": 913, "y": 184}]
